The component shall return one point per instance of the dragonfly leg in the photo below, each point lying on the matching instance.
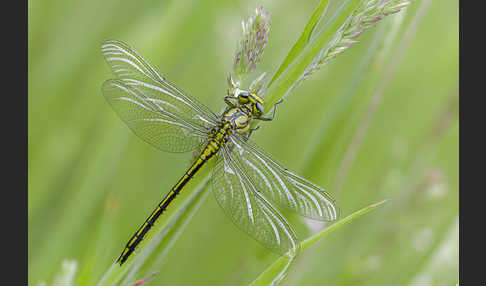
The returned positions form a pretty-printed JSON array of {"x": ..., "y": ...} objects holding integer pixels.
[
  {"x": 273, "y": 115},
  {"x": 251, "y": 131}
]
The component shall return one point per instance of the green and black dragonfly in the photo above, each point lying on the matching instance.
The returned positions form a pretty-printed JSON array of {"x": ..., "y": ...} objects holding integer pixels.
[{"x": 246, "y": 182}]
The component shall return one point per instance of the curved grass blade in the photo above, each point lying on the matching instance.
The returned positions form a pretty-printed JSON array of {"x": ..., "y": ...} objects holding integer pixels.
[
  {"x": 275, "y": 273},
  {"x": 287, "y": 79},
  {"x": 277, "y": 270},
  {"x": 304, "y": 39}
]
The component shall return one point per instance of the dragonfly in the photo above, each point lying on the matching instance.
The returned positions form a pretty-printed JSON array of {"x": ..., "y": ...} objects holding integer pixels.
[{"x": 247, "y": 183}]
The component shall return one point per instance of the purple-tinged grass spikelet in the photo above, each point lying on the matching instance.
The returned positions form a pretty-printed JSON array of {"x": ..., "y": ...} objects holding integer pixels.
[{"x": 251, "y": 45}]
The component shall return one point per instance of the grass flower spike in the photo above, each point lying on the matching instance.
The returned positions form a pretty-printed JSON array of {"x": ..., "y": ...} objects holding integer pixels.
[
  {"x": 251, "y": 45},
  {"x": 367, "y": 14}
]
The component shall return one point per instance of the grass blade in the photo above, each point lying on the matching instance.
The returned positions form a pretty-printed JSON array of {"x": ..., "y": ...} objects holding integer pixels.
[
  {"x": 286, "y": 81},
  {"x": 318, "y": 236},
  {"x": 304, "y": 39},
  {"x": 277, "y": 270}
]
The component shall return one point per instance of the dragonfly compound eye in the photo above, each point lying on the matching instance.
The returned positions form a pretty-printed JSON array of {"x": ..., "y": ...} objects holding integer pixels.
[{"x": 243, "y": 97}]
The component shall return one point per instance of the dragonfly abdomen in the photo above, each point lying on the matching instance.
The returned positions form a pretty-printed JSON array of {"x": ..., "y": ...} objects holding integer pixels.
[{"x": 209, "y": 151}]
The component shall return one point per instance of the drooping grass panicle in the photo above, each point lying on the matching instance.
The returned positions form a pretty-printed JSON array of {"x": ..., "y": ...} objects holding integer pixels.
[
  {"x": 365, "y": 16},
  {"x": 250, "y": 46}
]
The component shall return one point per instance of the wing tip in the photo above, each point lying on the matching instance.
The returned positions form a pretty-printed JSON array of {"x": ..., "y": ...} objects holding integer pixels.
[{"x": 113, "y": 42}]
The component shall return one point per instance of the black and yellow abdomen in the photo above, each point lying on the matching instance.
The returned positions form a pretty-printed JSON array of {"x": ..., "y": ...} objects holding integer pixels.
[{"x": 209, "y": 151}]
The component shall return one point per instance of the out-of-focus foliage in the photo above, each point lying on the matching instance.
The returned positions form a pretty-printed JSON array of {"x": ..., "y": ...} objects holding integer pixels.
[{"x": 377, "y": 122}]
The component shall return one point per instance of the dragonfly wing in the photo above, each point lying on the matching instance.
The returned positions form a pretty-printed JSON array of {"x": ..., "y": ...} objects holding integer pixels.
[
  {"x": 149, "y": 121},
  {"x": 152, "y": 107},
  {"x": 286, "y": 189},
  {"x": 248, "y": 209}
]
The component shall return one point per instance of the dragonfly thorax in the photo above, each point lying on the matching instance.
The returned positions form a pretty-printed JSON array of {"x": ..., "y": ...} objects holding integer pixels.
[{"x": 238, "y": 118}]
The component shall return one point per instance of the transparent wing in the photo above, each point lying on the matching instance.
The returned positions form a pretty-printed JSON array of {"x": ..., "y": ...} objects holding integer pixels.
[
  {"x": 248, "y": 209},
  {"x": 281, "y": 186},
  {"x": 150, "y": 121},
  {"x": 153, "y": 108}
]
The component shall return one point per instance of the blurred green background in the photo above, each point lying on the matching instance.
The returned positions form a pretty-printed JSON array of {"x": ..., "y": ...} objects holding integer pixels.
[{"x": 379, "y": 122}]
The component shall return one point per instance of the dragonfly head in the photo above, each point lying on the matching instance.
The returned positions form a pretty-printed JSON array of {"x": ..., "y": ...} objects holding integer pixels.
[{"x": 245, "y": 97}]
